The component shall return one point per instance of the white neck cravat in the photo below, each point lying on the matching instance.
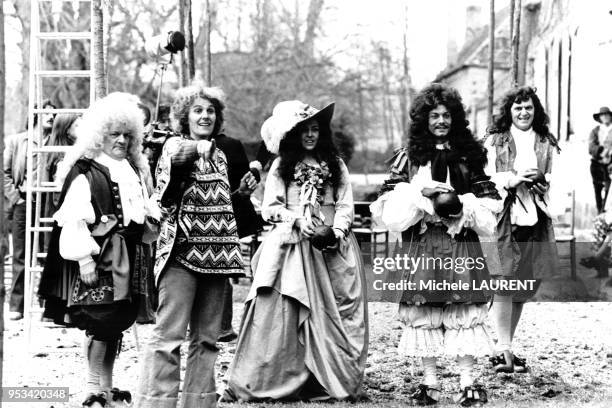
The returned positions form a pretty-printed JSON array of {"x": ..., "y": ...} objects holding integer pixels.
[
  {"x": 524, "y": 141},
  {"x": 130, "y": 188}
]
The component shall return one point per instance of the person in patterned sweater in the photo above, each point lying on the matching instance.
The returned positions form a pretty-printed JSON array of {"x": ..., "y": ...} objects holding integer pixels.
[{"x": 197, "y": 251}]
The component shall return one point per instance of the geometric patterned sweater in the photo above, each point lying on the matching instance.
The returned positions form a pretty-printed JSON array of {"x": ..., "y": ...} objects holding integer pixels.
[{"x": 198, "y": 227}]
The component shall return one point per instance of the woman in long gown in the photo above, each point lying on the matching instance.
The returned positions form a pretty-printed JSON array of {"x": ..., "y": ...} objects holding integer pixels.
[{"x": 304, "y": 333}]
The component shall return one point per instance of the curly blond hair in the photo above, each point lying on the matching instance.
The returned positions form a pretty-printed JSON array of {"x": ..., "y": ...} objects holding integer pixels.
[
  {"x": 95, "y": 124},
  {"x": 185, "y": 97}
]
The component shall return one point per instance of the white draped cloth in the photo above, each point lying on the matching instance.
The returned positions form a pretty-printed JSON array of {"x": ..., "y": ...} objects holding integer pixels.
[
  {"x": 524, "y": 214},
  {"x": 406, "y": 206}
]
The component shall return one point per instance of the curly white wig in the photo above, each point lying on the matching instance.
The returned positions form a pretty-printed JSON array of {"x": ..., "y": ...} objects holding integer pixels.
[
  {"x": 184, "y": 98},
  {"x": 95, "y": 125}
]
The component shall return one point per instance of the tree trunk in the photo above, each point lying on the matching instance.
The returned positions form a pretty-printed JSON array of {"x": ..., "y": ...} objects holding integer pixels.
[
  {"x": 491, "y": 84},
  {"x": 3, "y": 226},
  {"x": 362, "y": 135},
  {"x": 312, "y": 21},
  {"x": 190, "y": 46},
  {"x": 239, "y": 28},
  {"x": 405, "y": 82},
  {"x": 98, "y": 44},
  {"x": 207, "y": 61},
  {"x": 516, "y": 35},
  {"x": 384, "y": 108},
  {"x": 183, "y": 72},
  {"x": 22, "y": 9}
]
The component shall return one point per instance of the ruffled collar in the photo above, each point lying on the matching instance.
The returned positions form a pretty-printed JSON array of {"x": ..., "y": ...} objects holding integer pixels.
[
  {"x": 118, "y": 169},
  {"x": 131, "y": 190}
]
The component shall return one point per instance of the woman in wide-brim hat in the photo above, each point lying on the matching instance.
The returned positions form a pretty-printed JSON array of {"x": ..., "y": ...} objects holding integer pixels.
[{"x": 304, "y": 333}]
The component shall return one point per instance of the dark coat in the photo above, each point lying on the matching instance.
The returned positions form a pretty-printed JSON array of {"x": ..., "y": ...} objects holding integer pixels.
[
  {"x": 595, "y": 147},
  {"x": 247, "y": 220}
]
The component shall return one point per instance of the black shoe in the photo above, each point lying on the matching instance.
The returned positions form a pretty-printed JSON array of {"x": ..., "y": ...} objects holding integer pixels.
[
  {"x": 426, "y": 395},
  {"x": 91, "y": 399},
  {"x": 503, "y": 362},
  {"x": 520, "y": 365},
  {"x": 472, "y": 396},
  {"x": 119, "y": 395}
]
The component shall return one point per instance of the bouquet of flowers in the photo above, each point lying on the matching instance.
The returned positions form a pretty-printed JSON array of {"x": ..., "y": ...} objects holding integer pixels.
[{"x": 312, "y": 180}]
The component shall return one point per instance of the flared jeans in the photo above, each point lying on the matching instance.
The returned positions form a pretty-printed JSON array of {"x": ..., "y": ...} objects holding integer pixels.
[{"x": 185, "y": 298}]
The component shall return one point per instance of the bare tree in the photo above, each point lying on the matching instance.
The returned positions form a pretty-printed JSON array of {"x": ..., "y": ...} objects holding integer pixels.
[
  {"x": 516, "y": 35},
  {"x": 128, "y": 60},
  {"x": 22, "y": 14},
  {"x": 189, "y": 38},
  {"x": 405, "y": 84},
  {"x": 312, "y": 22},
  {"x": 183, "y": 71},
  {"x": 207, "y": 57},
  {"x": 491, "y": 67},
  {"x": 98, "y": 44}
]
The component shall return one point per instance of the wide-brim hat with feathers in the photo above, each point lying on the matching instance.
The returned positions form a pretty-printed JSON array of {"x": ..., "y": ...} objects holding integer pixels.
[{"x": 287, "y": 115}]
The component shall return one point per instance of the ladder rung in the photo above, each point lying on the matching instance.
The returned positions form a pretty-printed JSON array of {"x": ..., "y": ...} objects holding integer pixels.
[
  {"x": 52, "y": 149},
  {"x": 66, "y": 35},
  {"x": 36, "y": 269},
  {"x": 41, "y": 229},
  {"x": 47, "y": 220},
  {"x": 47, "y": 110},
  {"x": 46, "y": 189},
  {"x": 41, "y": 255},
  {"x": 65, "y": 73}
]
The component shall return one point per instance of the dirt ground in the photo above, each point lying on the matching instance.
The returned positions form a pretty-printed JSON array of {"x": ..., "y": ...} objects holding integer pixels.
[{"x": 568, "y": 346}]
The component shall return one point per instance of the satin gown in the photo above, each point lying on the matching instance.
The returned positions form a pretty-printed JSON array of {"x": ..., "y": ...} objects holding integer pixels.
[{"x": 304, "y": 333}]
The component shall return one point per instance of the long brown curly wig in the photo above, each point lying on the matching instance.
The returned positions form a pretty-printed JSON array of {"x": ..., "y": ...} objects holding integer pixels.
[
  {"x": 291, "y": 152},
  {"x": 422, "y": 144},
  {"x": 503, "y": 120}
]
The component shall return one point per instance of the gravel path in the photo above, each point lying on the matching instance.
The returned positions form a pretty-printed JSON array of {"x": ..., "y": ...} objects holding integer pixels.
[{"x": 568, "y": 345}]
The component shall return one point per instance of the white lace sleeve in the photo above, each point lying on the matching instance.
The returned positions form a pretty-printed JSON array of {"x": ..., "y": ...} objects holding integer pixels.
[
  {"x": 76, "y": 242},
  {"x": 479, "y": 214},
  {"x": 401, "y": 208}
]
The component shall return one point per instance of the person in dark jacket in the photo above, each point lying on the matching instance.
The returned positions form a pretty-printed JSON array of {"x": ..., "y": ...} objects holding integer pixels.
[
  {"x": 15, "y": 182},
  {"x": 197, "y": 251},
  {"x": 600, "y": 149},
  {"x": 242, "y": 183}
]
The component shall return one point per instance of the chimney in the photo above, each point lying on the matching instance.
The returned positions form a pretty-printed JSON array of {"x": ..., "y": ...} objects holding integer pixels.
[{"x": 473, "y": 22}]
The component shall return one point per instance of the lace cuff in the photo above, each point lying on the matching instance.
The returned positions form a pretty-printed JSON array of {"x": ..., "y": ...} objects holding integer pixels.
[{"x": 401, "y": 208}]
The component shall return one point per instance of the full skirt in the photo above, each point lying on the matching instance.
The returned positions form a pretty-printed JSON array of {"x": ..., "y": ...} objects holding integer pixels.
[{"x": 304, "y": 332}]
